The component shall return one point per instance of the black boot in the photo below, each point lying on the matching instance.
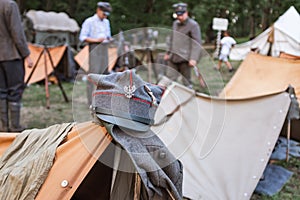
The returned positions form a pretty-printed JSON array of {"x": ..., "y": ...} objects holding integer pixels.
[
  {"x": 14, "y": 111},
  {"x": 3, "y": 116}
]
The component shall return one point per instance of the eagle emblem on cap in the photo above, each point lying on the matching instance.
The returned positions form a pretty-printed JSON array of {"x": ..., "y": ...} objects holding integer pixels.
[{"x": 129, "y": 90}]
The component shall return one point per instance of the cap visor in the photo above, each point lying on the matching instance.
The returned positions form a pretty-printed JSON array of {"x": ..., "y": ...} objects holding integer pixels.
[
  {"x": 126, "y": 123},
  {"x": 179, "y": 13},
  {"x": 106, "y": 13}
]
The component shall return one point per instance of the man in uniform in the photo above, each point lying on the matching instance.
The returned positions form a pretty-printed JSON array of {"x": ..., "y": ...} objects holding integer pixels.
[
  {"x": 184, "y": 51},
  {"x": 96, "y": 32},
  {"x": 13, "y": 51}
]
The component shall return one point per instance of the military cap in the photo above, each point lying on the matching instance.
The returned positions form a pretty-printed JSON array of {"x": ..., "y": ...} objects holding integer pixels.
[
  {"x": 105, "y": 7},
  {"x": 180, "y": 8},
  {"x": 124, "y": 99}
]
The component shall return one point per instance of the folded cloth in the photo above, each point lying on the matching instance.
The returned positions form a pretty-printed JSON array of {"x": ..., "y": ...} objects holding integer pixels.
[
  {"x": 279, "y": 152},
  {"x": 274, "y": 178},
  {"x": 24, "y": 166}
]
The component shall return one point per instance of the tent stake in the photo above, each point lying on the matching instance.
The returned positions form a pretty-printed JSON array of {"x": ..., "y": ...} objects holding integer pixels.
[{"x": 288, "y": 135}]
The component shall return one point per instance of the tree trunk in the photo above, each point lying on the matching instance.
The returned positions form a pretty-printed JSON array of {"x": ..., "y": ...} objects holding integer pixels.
[
  {"x": 49, "y": 5},
  {"x": 252, "y": 26},
  {"x": 21, "y": 4},
  {"x": 148, "y": 9},
  {"x": 72, "y": 7},
  {"x": 265, "y": 19}
]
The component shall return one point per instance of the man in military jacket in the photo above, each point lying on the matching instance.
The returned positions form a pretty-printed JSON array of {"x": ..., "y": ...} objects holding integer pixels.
[
  {"x": 13, "y": 51},
  {"x": 184, "y": 51}
]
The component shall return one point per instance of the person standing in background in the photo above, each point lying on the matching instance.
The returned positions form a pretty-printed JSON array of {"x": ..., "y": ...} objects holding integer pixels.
[
  {"x": 13, "y": 51},
  {"x": 227, "y": 42},
  {"x": 97, "y": 33},
  {"x": 185, "y": 45}
]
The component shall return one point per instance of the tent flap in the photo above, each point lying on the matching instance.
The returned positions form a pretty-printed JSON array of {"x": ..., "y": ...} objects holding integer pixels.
[
  {"x": 43, "y": 66},
  {"x": 261, "y": 75},
  {"x": 224, "y": 145},
  {"x": 82, "y": 58}
]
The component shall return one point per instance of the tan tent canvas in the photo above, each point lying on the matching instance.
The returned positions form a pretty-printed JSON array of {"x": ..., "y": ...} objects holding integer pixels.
[
  {"x": 224, "y": 145},
  {"x": 261, "y": 75},
  {"x": 82, "y": 58},
  {"x": 43, "y": 67},
  {"x": 289, "y": 56}
]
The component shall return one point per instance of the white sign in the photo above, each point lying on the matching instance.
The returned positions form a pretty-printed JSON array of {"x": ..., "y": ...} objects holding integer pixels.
[{"x": 220, "y": 24}]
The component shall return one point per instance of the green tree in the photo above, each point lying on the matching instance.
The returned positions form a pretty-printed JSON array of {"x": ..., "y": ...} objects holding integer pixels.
[{"x": 246, "y": 18}]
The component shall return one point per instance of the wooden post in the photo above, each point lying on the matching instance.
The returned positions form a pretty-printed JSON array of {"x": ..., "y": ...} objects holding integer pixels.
[
  {"x": 46, "y": 80},
  {"x": 288, "y": 136},
  {"x": 58, "y": 79}
]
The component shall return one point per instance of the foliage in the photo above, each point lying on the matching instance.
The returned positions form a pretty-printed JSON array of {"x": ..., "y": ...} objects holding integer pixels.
[{"x": 246, "y": 18}]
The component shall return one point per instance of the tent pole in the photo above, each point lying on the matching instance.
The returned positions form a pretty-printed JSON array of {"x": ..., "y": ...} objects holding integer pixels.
[
  {"x": 54, "y": 72},
  {"x": 288, "y": 135},
  {"x": 46, "y": 80},
  {"x": 34, "y": 68},
  {"x": 147, "y": 55}
]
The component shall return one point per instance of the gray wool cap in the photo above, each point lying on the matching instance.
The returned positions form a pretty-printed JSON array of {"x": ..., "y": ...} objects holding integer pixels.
[
  {"x": 105, "y": 7},
  {"x": 180, "y": 8},
  {"x": 124, "y": 99}
]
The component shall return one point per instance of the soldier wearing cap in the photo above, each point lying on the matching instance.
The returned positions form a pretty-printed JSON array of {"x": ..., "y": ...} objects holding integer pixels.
[
  {"x": 184, "y": 51},
  {"x": 97, "y": 33}
]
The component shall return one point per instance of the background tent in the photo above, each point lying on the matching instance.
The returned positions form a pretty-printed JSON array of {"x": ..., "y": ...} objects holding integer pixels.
[
  {"x": 262, "y": 75},
  {"x": 82, "y": 58},
  {"x": 50, "y": 28},
  {"x": 57, "y": 55},
  {"x": 283, "y": 36},
  {"x": 224, "y": 145}
]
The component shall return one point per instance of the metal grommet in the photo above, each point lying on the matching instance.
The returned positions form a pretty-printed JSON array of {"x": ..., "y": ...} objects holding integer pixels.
[
  {"x": 162, "y": 155},
  {"x": 64, "y": 183}
]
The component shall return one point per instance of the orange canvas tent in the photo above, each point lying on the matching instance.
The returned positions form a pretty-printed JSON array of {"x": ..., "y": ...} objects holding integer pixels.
[
  {"x": 74, "y": 159},
  {"x": 82, "y": 58},
  {"x": 44, "y": 65}
]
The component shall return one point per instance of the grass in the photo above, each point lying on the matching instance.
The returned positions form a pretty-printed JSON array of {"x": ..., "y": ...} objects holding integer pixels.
[
  {"x": 291, "y": 190},
  {"x": 36, "y": 115},
  {"x": 34, "y": 111}
]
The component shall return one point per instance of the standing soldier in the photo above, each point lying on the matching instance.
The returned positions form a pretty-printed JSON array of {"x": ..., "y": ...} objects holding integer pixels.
[
  {"x": 185, "y": 43},
  {"x": 96, "y": 32},
  {"x": 13, "y": 51}
]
